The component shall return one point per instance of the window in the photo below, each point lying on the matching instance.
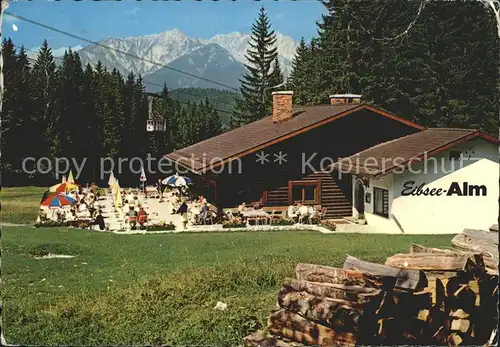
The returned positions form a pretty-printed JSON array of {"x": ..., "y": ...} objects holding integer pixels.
[
  {"x": 307, "y": 192},
  {"x": 455, "y": 155},
  {"x": 381, "y": 202}
]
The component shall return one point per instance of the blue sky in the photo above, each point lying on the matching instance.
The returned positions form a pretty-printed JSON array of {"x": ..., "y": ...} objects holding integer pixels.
[{"x": 101, "y": 20}]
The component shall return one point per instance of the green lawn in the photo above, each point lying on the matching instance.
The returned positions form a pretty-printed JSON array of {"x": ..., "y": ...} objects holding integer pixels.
[
  {"x": 20, "y": 205},
  {"x": 161, "y": 289}
]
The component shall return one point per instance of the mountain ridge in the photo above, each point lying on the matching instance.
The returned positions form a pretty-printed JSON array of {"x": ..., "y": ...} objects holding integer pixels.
[{"x": 170, "y": 47}]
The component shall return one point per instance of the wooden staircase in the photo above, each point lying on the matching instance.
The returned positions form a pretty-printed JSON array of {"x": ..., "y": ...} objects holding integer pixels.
[
  {"x": 332, "y": 197},
  {"x": 278, "y": 197}
]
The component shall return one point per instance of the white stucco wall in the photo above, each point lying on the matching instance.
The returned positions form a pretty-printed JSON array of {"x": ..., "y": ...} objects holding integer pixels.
[
  {"x": 377, "y": 223},
  {"x": 442, "y": 214}
]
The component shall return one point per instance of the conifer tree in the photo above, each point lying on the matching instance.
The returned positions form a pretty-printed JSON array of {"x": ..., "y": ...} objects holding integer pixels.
[
  {"x": 45, "y": 109},
  {"x": 256, "y": 82},
  {"x": 299, "y": 80},
  {"x": 277, "y": 77}
]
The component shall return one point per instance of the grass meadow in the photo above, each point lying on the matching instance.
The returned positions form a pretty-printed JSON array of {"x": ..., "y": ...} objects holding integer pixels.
[
  {"x": 158, "y": 289},
  {"x": 20, "y": 205}
]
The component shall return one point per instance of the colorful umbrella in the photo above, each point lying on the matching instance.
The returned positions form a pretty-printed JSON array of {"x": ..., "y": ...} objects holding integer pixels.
[
  {"x": 57, "y": 200},
  {"x": 63, "y": 187},
  {"x": 63, "y": 179},
  {"x": 177, "y": 181}
]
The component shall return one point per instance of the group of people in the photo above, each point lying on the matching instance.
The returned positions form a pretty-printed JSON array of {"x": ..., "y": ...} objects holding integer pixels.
[
  {"x": 298, "y": 212},
  {"x": 85, "y": 208},
  {"x": 134, "y": 212}
]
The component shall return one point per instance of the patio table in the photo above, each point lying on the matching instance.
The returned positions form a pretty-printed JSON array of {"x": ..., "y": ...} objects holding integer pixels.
[{"x": 254, "y": 213}]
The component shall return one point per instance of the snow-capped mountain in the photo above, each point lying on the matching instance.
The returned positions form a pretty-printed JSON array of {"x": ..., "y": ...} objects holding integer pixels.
[
  {"x": 237, "y": 44},
  {"x": 211, "y": 62},
  {"x": 168, "y": 47},
  {"x": 162, "y": 48}
]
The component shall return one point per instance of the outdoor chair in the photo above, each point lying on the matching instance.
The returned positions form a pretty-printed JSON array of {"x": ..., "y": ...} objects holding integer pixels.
[
  {"x": 132, "y": 221},
  {"x": 209, "y": 217},
  {"x": 314, "y": 217},
  {"x": 322, "y": 213},
  {"x": 143, "y": 219},
  {"x": 273, "y": 216}
]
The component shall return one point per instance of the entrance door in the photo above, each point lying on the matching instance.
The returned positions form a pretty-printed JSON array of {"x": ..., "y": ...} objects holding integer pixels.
[{"x": 359, "y": 202}]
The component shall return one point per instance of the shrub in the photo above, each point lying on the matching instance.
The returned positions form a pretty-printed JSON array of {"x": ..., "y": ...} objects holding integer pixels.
[
  {"x": 49, "y": 224},
  {"x": 161, "y": 226},
  {"x": 329, "y": 225},
  {"x": 234, "y": 223},
  {"x": 284, "y": 221}
]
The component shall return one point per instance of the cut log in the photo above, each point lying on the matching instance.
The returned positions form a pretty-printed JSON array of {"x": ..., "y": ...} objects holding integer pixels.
[
  {"x": 297, "y": 328},
  {"x": 487, "y": 236},
  {"x": 477, "y": 241},
  {"x": 405, "y": 279},
  {"x": 461, "y": 325},
  {"x": 449, "y": 261},
  {"x": 338, "y": 314},
  {"x": 261, "y": 339},
  {"x": 329, "y": 290},
  {"x": 454, "y": 340},
  {"x": 416, "y": 248},
  {"x": 326, "y": 274}
]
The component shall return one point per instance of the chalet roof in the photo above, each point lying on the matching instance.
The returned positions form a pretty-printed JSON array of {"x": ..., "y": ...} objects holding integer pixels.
[
  {"x": 384, "y": 158},
  {"x": 264, "y": 132}
]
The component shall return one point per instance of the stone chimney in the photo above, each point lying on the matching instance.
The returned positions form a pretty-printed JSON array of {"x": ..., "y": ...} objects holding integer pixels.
[
  {"x": 345, "y": 99},
  {"x": 282, "y": 106}
]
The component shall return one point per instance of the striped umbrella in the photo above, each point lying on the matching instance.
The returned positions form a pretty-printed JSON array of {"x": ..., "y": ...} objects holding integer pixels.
[
  {"x": 63, "y": 187},
  {"x": 58, "y": 200},
  {"x": 177, "y": 181}
]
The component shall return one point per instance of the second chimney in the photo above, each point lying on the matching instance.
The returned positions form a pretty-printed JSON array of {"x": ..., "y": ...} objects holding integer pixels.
[
  {"x": 345, "y": 99},
  {"x": 282, "y": 106}
]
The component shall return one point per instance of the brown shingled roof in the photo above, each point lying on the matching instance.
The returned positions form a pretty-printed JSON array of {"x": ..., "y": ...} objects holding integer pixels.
[
  {"x": 382, "y": 159},
  {"x": 264, "y": 132}
]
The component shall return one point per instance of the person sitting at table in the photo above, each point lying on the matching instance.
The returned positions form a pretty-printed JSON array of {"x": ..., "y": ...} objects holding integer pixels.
[
  {"x": 303, "y": 212},
  {"x": 142, "y": 217},
  {"x": 242, "y": 208},
  {"x": 99, "y": 220},
  {"x": 292, "y": 211},
  {"x": 71, "y": 213},
  {"x": 132, "y": 217},
  {"x": 259, "y": 204},
  {"x": 83, "y": 206},
  {"x": 42, "y": 215}
]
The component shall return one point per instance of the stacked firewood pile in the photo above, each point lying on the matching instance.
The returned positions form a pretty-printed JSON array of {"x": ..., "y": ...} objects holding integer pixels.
[{"x": 426, "y": 297}]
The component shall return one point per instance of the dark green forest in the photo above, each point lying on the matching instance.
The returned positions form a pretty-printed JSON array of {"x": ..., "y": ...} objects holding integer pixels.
[
  {"x": 222, "y": 100},
  {"x": 433, "y": 62},
  {"x": 67, "y": 110}
]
